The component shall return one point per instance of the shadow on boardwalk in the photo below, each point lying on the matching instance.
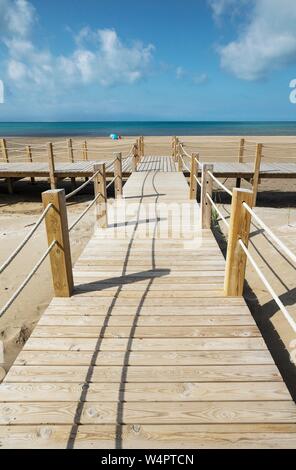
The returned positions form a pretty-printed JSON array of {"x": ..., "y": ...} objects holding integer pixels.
[
  {"x": 263, "y": 314},
  {"x": 120, "y": 281}
]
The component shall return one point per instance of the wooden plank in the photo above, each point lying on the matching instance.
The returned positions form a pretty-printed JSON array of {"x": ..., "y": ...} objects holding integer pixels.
[
  {"x": 200, "y": 436},
  {"x": 148, "y": 338},
  {"x": 135, "y": 392},
  {"x": 172, "y": 310},
  {"x": 146, "y": 331},
  {"x": 141, "y": 358},
  {"x": 221, "y": 373},
  {"x": 151, "y": 344},
  {"x": 153, "y": 320},
  {"x": 151, "y": 413}
]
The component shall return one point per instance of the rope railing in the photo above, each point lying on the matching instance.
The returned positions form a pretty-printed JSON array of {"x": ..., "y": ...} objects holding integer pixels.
[
  {"x": 76, "y": 221},
  {"x": 25, "y": 240},
  {"x": 109, "y": 165},
  {"x": 286, "y": 250},
  {"x": 217, "y": 210},
  {"x": 198, "y": 162},
  {"x": 197, "y": 180},
  {"x": 77, "y": 190},
  {"x": 63, "y": 151},
  {"x": 221, "y": 185},
  {"x": 280, "y": 304},
  {"x": 184, "y": 151},
  {"x": 111, "y": 182},
  {"x": 184, "y": 165},
  {"x": 27, "y": 279}
]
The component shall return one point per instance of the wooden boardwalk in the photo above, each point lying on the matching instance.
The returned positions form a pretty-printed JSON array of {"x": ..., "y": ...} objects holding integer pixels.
[
  {"x": 162, "y": 163},
  {"x": 147, "y": 352},
  {"x": 79, "y": 169}
]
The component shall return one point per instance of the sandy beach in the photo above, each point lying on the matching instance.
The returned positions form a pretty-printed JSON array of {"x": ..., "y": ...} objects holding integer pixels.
[{"x": 18, "y": 212}]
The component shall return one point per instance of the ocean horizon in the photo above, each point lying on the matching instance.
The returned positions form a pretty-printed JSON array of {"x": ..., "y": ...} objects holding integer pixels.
[{"x": 148, "y": 128}]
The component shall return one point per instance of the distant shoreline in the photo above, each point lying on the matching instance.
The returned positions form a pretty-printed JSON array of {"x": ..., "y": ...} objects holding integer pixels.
[{"x": 147, "y": 128}]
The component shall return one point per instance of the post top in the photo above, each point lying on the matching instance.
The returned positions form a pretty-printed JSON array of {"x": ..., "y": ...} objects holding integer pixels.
[
  {"x": 54, "y": 191},
  {"x": 242, "y": 190}
]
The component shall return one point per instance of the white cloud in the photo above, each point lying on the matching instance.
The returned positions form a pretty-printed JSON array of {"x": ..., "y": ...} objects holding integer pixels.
[
  {"x": 101, "y": 56},
  {"x": 267, "y": 42},
  {"x": 231, "y": 8},
  {"x": 220, "y": 6},
  {"x": 16, "y": 17},
  {"x": 98, "y": 56}
]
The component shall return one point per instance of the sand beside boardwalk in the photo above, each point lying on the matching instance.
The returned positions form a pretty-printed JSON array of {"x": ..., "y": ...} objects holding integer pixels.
[{"x": 276, "y": 206}]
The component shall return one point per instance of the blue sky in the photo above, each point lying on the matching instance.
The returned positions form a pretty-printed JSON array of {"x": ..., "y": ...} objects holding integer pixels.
[{"x": 147, "y": 60}]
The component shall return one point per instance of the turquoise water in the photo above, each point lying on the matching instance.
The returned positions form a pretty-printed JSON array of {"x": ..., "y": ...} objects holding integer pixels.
[{"x": 8, "y": 129}]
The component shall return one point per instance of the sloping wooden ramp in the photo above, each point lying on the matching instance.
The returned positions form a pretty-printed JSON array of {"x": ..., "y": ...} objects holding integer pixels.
[{"x": 148, "y": 352}]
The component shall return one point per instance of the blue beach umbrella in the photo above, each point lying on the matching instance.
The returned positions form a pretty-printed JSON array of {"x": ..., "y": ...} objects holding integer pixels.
[{"x": 114, "y": 136}]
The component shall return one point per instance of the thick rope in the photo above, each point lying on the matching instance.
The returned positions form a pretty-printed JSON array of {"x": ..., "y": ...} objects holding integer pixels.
[
  {"x": 27, "y": 280},
  {"x": 26, "y": 239}
]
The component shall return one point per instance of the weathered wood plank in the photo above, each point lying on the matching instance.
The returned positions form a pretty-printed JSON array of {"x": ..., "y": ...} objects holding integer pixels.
[
  {"x": 144, "y": 358},
  {"x": 62, "y": 331},
  {"x": 147, "y": 352},
  {"x": 151, "y": 413},
  {"x": 133, "y": 391},
  {"x": 221, "y": 373},
  {"x": 219, "y": 436},
  {"x": 149, "y": 344},
  {"x": 153, "y": 320}
]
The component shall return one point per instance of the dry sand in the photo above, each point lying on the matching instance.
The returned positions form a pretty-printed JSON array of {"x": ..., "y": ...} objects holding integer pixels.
[{"x": 276, "y": 206}]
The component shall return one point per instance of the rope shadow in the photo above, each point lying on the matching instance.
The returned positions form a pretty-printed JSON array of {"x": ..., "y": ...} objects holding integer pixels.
[
  {"x": 120, "y": 281},
  {"x": 89, "y": 375},
  {"x": 262, "y": 315}
]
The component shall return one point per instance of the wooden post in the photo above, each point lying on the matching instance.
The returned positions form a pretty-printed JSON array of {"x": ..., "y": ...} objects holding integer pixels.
[
  {"x": 256, "y": 176},
  {"x": 143, "y": 146},
  {"x": 205, "y": 204},
  {"x": 70, "y": 151},
  {"x": 173, "y": 146},
  {"x": 84, "y": 150},
  {"x": 6, "y": 159},
  {"x": 134, "y": 158},
  {"x": 71, "y": 159},
  {"x": 180, "y": 163},
  {"x": 30, "y": 158},
  {"x": 241, "y": 151},
  {"x": 239, "y": 229},
  {"x": 118, "y": 174},
  {"x": 176, "y": 149},
  {"x": 240, "y": 158},
  {"x": 193, "y": 172},
  {"x": 57, "y": 229},
  {"x": 52, "y": 178},
  {"x": 4, "y": 150},
  {"x": 100, "y": 188}
]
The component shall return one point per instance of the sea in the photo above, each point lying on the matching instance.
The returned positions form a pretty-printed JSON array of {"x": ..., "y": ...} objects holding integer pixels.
[{"x": 153, "y": 128}]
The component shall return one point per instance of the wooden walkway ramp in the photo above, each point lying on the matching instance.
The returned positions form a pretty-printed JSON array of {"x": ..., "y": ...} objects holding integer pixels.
[
  {"x": 147, "y": 352},
  {"x": 80, "y": 168}
]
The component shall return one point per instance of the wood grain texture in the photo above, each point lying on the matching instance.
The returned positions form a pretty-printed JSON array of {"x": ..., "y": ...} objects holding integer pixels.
[{"x": 148, "y": 352}]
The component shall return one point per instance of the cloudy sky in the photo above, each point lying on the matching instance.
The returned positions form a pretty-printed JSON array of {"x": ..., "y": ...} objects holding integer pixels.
[{"x": 158, "y": 60}]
